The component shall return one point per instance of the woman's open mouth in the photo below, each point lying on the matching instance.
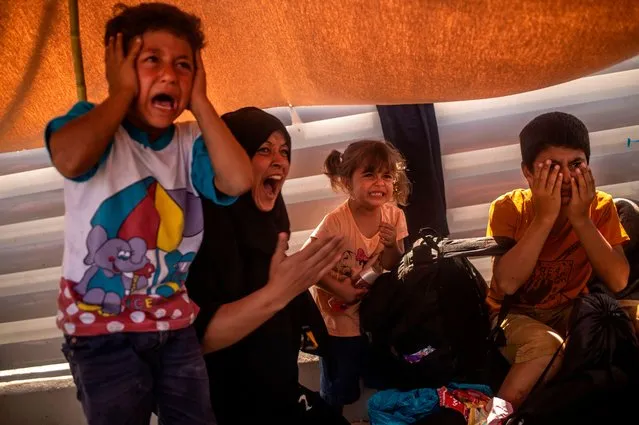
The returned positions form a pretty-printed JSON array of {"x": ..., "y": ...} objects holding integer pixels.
[{"x": 273, "y": 184}]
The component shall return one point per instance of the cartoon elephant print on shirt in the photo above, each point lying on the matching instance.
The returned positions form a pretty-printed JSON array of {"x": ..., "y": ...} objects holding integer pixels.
[{"x": 117, "y": 268}]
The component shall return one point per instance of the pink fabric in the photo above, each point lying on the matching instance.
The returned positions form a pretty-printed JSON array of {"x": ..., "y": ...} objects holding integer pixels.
[{"x": 360, "y": 252}]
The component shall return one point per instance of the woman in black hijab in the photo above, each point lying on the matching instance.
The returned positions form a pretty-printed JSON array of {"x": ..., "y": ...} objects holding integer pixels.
[{"x": 254, "y": 305}]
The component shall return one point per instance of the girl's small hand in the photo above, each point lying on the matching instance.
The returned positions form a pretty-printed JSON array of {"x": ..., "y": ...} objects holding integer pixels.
[{"x": 388, "y": 235}]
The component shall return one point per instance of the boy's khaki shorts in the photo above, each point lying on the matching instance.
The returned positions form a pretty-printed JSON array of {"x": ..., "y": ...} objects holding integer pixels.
[
  {"x": 533, "y": 333},
  {"x": 631, "y": 307}
]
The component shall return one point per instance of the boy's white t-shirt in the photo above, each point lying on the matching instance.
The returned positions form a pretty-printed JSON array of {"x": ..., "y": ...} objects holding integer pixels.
[
  {"x": 133, "y": 225},
  {"x": 359, "y": 252}
]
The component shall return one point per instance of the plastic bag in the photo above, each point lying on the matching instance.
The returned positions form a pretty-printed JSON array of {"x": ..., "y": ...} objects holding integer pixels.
[
  {"x": 477, "y": 416},
  {"x": 394, "y": 407},
  {"x": 500, "y": 410},
  {"x": 469, "y": 402}
]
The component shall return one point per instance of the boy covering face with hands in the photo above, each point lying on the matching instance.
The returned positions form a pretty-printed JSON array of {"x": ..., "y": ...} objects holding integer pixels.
[{"x": 566, "y": 230}]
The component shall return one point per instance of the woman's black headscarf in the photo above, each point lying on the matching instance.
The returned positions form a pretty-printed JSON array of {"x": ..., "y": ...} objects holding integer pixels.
[
  {"x": 239, "y": 240},
  {"x": 254, "y": 228},
  {"x": 252, "y": 126},
  {"x": 233, "y": 262}
]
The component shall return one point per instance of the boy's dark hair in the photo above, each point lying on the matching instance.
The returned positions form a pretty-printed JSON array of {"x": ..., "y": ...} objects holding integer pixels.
[
  {"x": 553, "y": 129},
  {"x": 133, "y": 21}
]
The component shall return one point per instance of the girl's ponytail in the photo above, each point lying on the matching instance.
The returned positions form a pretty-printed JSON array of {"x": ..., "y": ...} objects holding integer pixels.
[{"x": 332, "y": 169}]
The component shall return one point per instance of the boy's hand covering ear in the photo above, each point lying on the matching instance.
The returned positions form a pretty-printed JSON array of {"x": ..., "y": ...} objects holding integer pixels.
[
  {"x": 198, "y": 93},
  {"x": 120, "y": 69}
]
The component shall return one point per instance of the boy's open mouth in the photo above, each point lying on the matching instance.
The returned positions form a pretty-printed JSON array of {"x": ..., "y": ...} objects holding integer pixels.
[
  {"x": 272, "y": 184},
  {"x": 164, "y": 101}
]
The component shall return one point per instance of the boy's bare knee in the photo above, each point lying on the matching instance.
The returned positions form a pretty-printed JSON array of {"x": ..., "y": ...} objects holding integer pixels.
[{"x": 522, "y": 377}]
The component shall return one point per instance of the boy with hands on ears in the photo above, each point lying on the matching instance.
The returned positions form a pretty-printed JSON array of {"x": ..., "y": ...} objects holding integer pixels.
[{"x": 133, "y": 221}]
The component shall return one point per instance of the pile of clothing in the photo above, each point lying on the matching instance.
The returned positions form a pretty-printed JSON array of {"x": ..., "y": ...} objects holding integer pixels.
[{"x": 463, "y": 404}]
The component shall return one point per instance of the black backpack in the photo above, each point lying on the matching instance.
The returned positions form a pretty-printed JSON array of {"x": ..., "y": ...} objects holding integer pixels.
[
  {"x": 628, "y": 210},
  {"x": 427, "y": 320},
  {"x": 598, "y": 382}
]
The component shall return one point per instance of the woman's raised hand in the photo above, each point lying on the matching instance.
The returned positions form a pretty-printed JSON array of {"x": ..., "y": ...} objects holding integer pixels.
[{"x": 294, "y": 274}]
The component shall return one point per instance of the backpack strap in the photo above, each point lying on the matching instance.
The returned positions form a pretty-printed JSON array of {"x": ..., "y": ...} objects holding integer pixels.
[
  {"x": 543, "y": 375},
  {"x": 443, "y": 247},
  {"x": 475, "y": 247},
  {"x": 515, "y": 418},
  {"x": 496, "y": 334},
  {"x": 547, "y": 369}
]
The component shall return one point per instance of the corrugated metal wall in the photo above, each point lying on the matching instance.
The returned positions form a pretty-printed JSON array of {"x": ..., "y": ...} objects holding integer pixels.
[{"x": 481, "y": 161}]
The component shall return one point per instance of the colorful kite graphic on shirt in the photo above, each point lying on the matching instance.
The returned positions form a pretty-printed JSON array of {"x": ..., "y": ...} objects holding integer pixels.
[{"x": 140, "y": 218}]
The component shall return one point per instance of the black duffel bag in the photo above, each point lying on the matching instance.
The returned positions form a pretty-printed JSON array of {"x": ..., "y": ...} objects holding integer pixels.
[{"x": 598, "y": 380}]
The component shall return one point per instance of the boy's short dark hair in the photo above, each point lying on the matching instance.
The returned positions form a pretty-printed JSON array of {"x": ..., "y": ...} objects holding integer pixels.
[
  {"x": 553, "y": 129},
  {"x": 133, "y": 21}
]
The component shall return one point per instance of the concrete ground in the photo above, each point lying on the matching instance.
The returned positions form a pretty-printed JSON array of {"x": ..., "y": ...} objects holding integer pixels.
[{"x": 52, "y": 401}]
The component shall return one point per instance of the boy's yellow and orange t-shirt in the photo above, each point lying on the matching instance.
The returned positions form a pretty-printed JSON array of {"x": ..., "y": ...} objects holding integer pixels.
[{"x": 563, "y": 269}]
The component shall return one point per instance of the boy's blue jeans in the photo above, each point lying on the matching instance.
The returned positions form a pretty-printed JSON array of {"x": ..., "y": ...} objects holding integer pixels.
[{"x": 122, "y": 378}]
